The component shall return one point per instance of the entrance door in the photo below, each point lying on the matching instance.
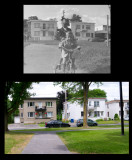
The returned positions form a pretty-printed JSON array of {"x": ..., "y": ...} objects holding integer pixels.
[
  {"x": 40, "y": 104},
  {"x": 40, "y": 114}
]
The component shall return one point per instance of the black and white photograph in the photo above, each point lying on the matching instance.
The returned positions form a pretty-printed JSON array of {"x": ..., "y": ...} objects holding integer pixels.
[{"x": 63, "y": 39}]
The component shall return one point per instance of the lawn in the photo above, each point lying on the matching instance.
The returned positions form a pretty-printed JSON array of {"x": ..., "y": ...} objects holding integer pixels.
[
  {"x": 96, "y": 142},
  {"x": 15, "y": 142},
  {"x": 72, "y": 128},
  {"x": 111, "y": 122},
  {"x": 93, "y": 58}
]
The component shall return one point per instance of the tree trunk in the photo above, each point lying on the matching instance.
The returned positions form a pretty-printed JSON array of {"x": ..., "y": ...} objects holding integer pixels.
[
  {"x": 85, "y": 125},
  {"x": 6, "y": 122}
]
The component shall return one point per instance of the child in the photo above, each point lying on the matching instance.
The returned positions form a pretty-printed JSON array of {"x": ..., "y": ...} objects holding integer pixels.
[{"x": 67, "y": 45}]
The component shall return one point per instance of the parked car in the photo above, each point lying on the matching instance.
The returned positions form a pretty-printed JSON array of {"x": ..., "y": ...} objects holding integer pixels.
[
  {"x": 56, "y": 123},
  {"x": 90, "y": 123},
  {"x": 79, "y": 121},
  {"x": 126, "y": 118}
]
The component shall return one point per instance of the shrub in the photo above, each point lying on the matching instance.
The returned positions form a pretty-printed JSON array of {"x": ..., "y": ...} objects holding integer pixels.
[
  {"x": 109, "y": 119},
  {"x": 99, "y": 120},
  {"x": 116, "y": 117}
]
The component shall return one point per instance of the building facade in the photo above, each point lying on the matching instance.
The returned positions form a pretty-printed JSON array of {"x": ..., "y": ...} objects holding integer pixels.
[
  {"x": 101, "y": 31},
  {"x": 113, "y": 107},
  {"x": 83, "y": 30},
  {"x": 96, "y": 109},
  {"x": 36, "y": 110},
  {"x": 42, "y": 29}
]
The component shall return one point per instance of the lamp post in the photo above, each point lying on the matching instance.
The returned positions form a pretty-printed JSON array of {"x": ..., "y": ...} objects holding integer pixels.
[{"x": 121, "y": 105}]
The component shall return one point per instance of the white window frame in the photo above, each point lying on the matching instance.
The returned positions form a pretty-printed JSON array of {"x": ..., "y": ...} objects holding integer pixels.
[
  {"x": 51, "y": 104},
  {"x": 49, "y": 115},
  {"x": 36, "y": 25},
  {"x": 29, "y": 116},
  {"x": 96, "y": 104},
  {"x": 31, "y": 105}
]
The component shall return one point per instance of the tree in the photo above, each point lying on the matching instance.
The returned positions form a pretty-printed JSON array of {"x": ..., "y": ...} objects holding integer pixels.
[
  {"x": 97, "y": 93},
  {"x": 61, "y": 100},
  {"x": 33, "y": 18},
  {"x": 76, "y": 18},
  {"x": 18, "y": 91},
  {"x": 75, "y": 88}
]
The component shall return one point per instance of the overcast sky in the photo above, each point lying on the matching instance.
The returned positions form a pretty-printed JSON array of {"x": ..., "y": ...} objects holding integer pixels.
[
  {"x": 47, "y": 89},
  {"x": 89, "y": 13}
]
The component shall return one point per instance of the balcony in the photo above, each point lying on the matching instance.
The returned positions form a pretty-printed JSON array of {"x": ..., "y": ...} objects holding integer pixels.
[{"x": 42, "y": 109}]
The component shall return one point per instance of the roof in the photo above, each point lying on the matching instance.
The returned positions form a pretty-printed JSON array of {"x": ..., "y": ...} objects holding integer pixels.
[
  {"x": 82, "y": 22},
  {"x": 40, "y": 98},
  {"x": 41, "y": 20},
  {"x": 116, "y": 101}
]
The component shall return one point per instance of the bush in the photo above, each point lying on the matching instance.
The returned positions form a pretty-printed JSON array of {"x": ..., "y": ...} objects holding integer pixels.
[
  {"x": 109, "y": 119},
  {"x": 116, "y": 117},
  {"x": 99, "y": 120}
]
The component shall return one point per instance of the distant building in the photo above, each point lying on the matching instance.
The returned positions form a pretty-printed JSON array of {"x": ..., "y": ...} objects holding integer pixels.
[
  {"x": 113, "y": 107},
  {"x": 101, "y": 31},
  {"x": 83, "y": 30},
  {"x": 42, "y": 29}
]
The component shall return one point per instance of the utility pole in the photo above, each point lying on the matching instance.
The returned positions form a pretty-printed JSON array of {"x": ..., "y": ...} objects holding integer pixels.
[
  {"x": 65, "y": 105},
  {"x": 121, "y": 105},
  {"x": 107, "y": 30}
]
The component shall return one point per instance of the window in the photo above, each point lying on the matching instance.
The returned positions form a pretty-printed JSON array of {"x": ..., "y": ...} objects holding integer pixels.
[
  {"x": 102, "y": 113},
  {"x": 96, "y": 103},
  {"x": 21, "y": 114},
  {"x": 31, "y": 114},
  {"x": 87, "y": 26},
  {"x": 82, "y": 26},
  {"x": 77, "y": 34},
  {"x": 87, "y": 34},
  {"x": 21, "y": 106},
  {"x": 49, "y": 114},
  {"x": 108, "y": 106},
  {"x": 36, "y": 33},
  {"x": 82, "y": 105},
  {"x": 77, "y": 26},
  {"x": 81, "y": 114},
  {"x": 89, "y": 103},
  {"x": 36, "y": 25},
  {"x": 44, "y": 26},
  {"x": 50, "y": 25},
  {"x": 48, "y": 104},
  {"x": 44, "y": 33},
  {"x": 31, "y": 104}
]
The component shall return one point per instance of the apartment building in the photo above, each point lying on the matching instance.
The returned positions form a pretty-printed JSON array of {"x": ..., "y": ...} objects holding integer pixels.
[
  {"x": 38, "y": 109},
  {"x": 83, "y": 30},
  {"x": 96, "y": 108},
  {"x": 42, "y": 29},
  {"x": 113, "y": 107},
  {"x": 101, "y": 31}
]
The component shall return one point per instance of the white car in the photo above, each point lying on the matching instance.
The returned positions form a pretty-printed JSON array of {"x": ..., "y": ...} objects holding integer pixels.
[{"x": 126, "y": 118}]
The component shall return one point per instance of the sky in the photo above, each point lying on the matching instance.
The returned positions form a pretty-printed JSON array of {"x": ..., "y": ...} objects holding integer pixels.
[
  {"x": 89, "y": 13},
  {"x": 47, "y": 89}
]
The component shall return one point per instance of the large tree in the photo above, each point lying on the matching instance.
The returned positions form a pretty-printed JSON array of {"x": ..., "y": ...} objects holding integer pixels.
[
  {"x": 76, "y": 18},
  {"x": 18, "y": 92},
  {"x": 74, "y": 88}
]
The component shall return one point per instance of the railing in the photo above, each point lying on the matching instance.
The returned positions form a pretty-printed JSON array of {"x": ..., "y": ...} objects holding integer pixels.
[{"x": 40, "y": 109}]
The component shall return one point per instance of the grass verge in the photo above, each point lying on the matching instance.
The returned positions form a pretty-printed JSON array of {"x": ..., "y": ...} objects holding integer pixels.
[
  {"x": 73, "y": 128},
  {"x": 15, "y": 142},
  {"x": 96, "y": 142},
  {"x": 111, "y": 122}
]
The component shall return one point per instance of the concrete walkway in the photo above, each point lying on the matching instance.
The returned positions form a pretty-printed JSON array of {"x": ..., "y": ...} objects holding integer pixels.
[{"x": 46, "y": 143}]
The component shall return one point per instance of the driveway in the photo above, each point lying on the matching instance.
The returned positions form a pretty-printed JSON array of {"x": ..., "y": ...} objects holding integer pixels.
[{"x": 20, "y": 126}]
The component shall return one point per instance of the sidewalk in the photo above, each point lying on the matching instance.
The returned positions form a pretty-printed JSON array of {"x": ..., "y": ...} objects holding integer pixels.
[{"x": 46, "y": 143}]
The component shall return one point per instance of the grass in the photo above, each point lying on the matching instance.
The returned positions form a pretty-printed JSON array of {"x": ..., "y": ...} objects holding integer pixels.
[
  {"x": 94, "y": 57},
  {"x": 96, "y": 142},
  {"x": 73, "y": 128},
  {"x": 111, "y": 122},
  {"x": 15, "y": 142}
]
